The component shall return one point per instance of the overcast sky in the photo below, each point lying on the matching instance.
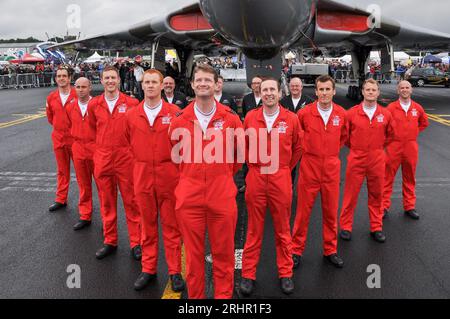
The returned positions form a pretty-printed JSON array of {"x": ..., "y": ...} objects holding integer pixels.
[{"x": 34, "y": 18}]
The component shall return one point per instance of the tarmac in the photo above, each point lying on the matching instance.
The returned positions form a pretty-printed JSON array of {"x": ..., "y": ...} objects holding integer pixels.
[{"x": 38, "y": 247}]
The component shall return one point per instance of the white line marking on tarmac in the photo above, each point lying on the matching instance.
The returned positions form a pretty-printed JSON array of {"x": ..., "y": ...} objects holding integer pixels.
[{"x": 237, "y": 258}]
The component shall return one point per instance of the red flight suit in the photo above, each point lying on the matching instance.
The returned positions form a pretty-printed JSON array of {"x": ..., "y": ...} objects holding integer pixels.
[
  {"x": 62, "y": 141},
  {"x": 319, "y": 172},
  {"x": 83, "y": 156},
  {"x": 273, "y": 190},
  {"x": 114, "y": 166},
  {"x": 404, "y": 151},
  {"x": 206, "y": 198},
  {"x": 155, "y": 178},
  {"x": 367, "y": 140}
]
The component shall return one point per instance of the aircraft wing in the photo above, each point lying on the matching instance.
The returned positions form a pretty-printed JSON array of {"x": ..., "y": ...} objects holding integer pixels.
[
  {"x": 338, "y": 26},
  {"x": 206, "y": 25},
  {"x": 185, "y": 27}
]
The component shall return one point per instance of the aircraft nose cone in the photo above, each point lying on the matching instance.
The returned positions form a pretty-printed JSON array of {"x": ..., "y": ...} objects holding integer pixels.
[{"x": 259, "y": 25}]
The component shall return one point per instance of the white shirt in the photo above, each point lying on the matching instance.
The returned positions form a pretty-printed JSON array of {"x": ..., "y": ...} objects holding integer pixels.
[
  {"x": 296, "y": 101},
  {"x": 370, "y": 111},
  {"x": 64, "y": 98},
  {"x": 139, "y": 73},
  {"x": 270, "y": 119},
  {"x": 405, "y": 107},
  {"x": 84, "y": 107},
  {"x": 218, "y": 97},
  {"x": 170, "y": 99},
  {"x": 152, "y": 113},
  {"x": 325, "y": 114},
  {"x": 204, "y": 119},
  {"x": 257, "y": 100},
  {"x": 112, "y": 103}
]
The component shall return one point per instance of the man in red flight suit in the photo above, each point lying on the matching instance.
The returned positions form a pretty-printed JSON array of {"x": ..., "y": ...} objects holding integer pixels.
[
  {"x": 410, "y": 120},
  {"x": 270, "y": 184},
  {"x": 114, "y": 162},
  {"x": 155, "y": 179},
  {"x": 206, "y": 193},
  {"x": 371, "y": 128},
  {"x": 324, "y": 126},
  {"x": 83, "y": 149},
  {"x": 57, "y": 116}
]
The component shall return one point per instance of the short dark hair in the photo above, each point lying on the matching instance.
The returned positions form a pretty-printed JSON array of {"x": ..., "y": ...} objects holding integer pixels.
[
  {"x": 207, "y": 69},
  {"x": 270, "y": 78},
  {"x": 324, "y": 79}
]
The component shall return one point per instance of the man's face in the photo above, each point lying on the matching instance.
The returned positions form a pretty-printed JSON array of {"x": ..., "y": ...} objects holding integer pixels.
[
  {"x": 83, "y": 88},
  {"x": 270, "y": 94},
  {"x": 203, "y": 84},
  {"x": 371, "y": 92},
  {"x": 404, "y": 90},
  {"x": 219, "y": 86},
  {"x": 256, "y": 85},
  {"x": 62, "y": 78},
  {"x": 325, "y": 92},
  {"x": 110, "y": 81},
  {"x": 296, "y": 87},
  {"x": 152, "y": 86},
  {"x": 169, "y": 85}
]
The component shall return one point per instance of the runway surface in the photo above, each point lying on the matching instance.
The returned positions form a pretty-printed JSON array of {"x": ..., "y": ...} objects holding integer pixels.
[{"x": 37, "y": 247}]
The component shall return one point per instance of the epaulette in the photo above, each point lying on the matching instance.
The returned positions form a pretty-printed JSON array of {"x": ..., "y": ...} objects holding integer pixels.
[{"x": 232, "y": 111}]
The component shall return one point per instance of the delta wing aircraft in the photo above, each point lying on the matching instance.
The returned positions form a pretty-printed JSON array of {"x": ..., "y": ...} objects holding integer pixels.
[{"x": 263, "y": 29}]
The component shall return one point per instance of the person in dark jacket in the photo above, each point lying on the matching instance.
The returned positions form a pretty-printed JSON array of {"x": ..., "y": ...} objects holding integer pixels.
[
  {"x": 170, "y": 95},
  {"x": 224, "y": 98}
]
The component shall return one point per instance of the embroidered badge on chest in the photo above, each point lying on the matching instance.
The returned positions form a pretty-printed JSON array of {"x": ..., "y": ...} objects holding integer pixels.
[
  {"x": 166, "y": 120},
  {"x": 380, "y": 118},
  {"x": 123, "y": 108},
  {"x": 414, "y": 112},
  {"x": 282, "y": 127},
  {"x": 218, "y": 125},
  {"x": 336, "y": 121}
]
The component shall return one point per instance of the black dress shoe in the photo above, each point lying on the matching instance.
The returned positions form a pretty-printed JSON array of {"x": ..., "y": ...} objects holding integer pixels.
[
  {"x": 345, "y": 235},
  {"x": 56, "y": 206},
  {"x": 246, "y": 286},
  {"x": 335, "y": 260},
  {"x": 412, "y": 213},
  {"x": 136, "y": 253},
  {"x": 385, "y": 213},
  {"x": 143, "y": 280},
  {"x": 378, "y": 236},
  {"x": 296, "y": 259},
  {"x": 287, "y": 285},
  {"x": 177, "y": 281},
  {"x": 105, "y": 251},
  {"x": 82, "y": 224}
]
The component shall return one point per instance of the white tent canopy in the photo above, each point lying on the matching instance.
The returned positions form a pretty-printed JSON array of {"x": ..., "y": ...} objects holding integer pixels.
[
  {"x": 95, "y": 58},
  {"x": 399, "y": 56}
]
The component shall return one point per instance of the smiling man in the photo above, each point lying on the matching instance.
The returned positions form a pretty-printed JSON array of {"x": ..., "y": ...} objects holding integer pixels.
[
  {"x": 410, "y": 119},
  {"x": 155, "y": 179},
  {"x": 267, "y": 188},
  {"x": 325, "y": 130},
  {"x": 58, "y": 118},
  {"x": 114, "y": 162},
  {"x": 206, "y": 193},
  {"x": 371, "y": 128}
]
